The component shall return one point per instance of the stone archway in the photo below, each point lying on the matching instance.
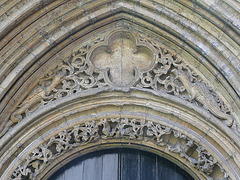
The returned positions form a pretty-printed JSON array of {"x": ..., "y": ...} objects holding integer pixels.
[
  {"x": 78, "y": 125},
  {"x": 104, "y": 74},
  {"x": 108, "y": 132}
]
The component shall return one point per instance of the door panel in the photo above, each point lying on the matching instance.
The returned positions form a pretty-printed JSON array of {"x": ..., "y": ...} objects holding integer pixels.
[
  {"x": 129, "y": 165},
  {"x": 110, "y": 166},
  {"x": 92, "y": 168},
  {"x": 121, "y": 164},
  {"x": 148, "y": 166}
]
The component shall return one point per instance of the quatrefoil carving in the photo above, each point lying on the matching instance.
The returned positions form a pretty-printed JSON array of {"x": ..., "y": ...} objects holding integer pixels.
[{"x": 122, "y": 57}]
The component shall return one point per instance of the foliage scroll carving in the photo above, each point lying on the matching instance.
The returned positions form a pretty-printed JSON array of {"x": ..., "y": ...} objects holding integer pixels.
[
  {"x": 117, "y": 128},
  {"x": 167, "y": 73}
]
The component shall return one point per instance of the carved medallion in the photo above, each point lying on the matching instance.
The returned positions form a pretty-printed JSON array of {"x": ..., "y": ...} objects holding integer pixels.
[
  {"x": 123, "y": 56},
  {"x": 124, "y": 59}
]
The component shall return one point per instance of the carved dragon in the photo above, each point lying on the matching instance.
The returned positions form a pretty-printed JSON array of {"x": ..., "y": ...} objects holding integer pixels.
[
  {"x": 200, "y": 92},
  {"x": 83, "y": 75},
  {"x": 36, "y": 96}
]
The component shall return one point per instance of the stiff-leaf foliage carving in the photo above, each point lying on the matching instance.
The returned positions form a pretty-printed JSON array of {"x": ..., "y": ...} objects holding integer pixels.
[
  {"x": 168, "y": 74},
  {"x": 116, "y": 128}
]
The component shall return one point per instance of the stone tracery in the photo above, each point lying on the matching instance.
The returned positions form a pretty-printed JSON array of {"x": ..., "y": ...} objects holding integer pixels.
[
  {"x": 117, "y": 128},
  {"x": 205, "y": 33},
  {"x": 124, "y": 55},
  {"x": 166, "y": 74}
]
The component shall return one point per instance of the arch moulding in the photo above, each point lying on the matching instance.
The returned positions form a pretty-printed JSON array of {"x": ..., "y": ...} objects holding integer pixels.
[{"x": 117, "y": 74}]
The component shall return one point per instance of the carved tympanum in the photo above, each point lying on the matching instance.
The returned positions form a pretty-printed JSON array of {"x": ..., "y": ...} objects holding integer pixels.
[
  {"x": 74, "y": 75},
  {"x": 39, "y": 94},
  {"x": 124, "y": 59},
  {"x": 117, "y": 128},
  {"x": 200, "y": 92}
]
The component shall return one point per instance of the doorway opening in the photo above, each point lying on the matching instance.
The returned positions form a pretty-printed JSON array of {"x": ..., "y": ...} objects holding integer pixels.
[{"x": 121, "y": 164}]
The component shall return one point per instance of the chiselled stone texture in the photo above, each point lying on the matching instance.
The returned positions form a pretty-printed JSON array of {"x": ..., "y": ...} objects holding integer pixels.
[
  {"x": 177, "y": 59},
  {"x": 117, "y": 128},
  {"x": 211, "y": 39},
  {"x": 128, "y": 55},
  {"x": 123, "y": 57}
]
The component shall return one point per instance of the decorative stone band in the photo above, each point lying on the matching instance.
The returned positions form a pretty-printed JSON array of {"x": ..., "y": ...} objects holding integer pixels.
[
  {"x": 118, "y": 128},
  {"x": 97, "y": 64}
]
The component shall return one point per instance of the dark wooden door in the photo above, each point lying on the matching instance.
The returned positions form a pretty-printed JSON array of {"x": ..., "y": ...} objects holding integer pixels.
[{"x": 121, "y": 164}]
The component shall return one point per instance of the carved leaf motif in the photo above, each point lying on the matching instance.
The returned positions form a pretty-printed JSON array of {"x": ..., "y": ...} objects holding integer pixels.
[
  {"x": 62, "y": 141},
  {"x": 157, "y": 131},
  {"x": 169, "y": 74},
  {"x": 163, "y": 77},
  {"x": 205, "y": 161},
  {"x": 21, "y": 171},
  {"x": 115, "y": 128},
  {"x": 74, "y": 75}
]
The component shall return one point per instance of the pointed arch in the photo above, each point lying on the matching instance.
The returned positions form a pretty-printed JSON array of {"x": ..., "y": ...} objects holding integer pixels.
[{"x": 39, "y": 39}]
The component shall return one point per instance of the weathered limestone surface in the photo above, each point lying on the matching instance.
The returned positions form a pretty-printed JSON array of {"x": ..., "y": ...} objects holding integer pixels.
[{"x": 110, "y": 72}]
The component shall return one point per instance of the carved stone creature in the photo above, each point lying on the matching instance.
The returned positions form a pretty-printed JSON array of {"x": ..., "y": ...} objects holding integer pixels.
[
  {"x": 36, "y": 96},
  {"x": 199, "y": 91}
]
